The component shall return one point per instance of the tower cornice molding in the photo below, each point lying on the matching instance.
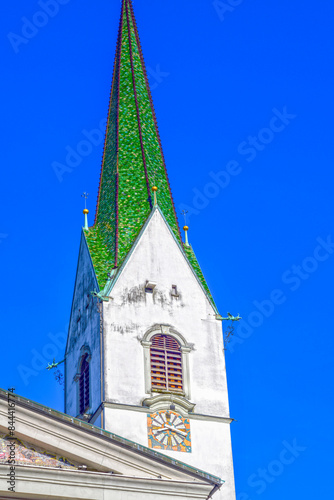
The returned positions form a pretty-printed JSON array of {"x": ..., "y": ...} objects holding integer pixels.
[
  {"x": 147, "y": 409},
  {"x": 164, "y": 401}
]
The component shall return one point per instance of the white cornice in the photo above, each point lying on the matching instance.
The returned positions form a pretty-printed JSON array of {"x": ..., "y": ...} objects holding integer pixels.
[
  {"x": 149, "y": 409},
  {"x": 43, "y": 483}
]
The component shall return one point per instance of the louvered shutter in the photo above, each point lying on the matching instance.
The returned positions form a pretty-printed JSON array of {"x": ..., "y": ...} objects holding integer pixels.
[{"x": 166, "y": 364}]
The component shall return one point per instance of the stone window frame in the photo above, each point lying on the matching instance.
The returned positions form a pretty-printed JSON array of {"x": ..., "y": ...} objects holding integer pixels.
[{"x": 186, "y": 348}]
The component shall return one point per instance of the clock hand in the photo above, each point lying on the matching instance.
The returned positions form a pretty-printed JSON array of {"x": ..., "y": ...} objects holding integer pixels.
[
  {"x": 162, "y": 429},
  {"x": 171, "y": 427},
  {"x": 180, "y": 432}
]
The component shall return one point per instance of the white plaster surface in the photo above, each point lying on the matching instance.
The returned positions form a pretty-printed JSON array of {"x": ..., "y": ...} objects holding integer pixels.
[
  {"x": 85, "y": 331},
  {"x": 127, "y": 317},
  {"x": 131, "y": 313},
  {"x": 211, "y": 444}
]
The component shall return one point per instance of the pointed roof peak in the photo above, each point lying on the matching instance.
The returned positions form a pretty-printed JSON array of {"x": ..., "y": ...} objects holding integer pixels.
[
  {"x": 133, "y": 166},
  {"x": 133, "y": 161}
]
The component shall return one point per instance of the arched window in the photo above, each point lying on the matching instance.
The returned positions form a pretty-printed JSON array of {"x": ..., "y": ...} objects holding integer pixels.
[
  {"x": 166, "y": 364},
  {"x": 84, "y": 385}
]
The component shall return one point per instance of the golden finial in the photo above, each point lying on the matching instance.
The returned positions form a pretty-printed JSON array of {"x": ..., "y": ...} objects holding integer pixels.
[
  {"x": 155, "y": 189},
  {"x": 185, "y": 227},
  {"x": 85, "y": 210}
]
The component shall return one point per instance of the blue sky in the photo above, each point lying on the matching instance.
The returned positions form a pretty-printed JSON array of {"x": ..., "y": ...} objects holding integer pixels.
[{"x": 243, "y": 93}]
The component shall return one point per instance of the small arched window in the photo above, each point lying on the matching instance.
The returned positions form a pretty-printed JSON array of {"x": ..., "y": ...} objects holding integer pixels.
[
  {"x": 166, "y": 364},
  {"x": 84, "y": 385}
]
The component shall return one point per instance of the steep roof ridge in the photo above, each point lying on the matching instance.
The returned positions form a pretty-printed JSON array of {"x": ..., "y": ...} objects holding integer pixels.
[
  {"x": 132, "y": 153},
  {"x": 137, "y": 108},
  {"x": 153, "y": 110},
  {"x": 113, "y": 83},
  {"x": 132, "y": 163}
]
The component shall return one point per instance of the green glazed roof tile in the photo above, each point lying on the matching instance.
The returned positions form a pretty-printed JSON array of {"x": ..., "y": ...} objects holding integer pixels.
[
  {"x": 194, "y": 262},
  {"x": 133, "y": 161}
]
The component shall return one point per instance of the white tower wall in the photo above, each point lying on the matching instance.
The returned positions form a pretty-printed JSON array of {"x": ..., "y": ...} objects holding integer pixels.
[{"x": 130, "y": 315}]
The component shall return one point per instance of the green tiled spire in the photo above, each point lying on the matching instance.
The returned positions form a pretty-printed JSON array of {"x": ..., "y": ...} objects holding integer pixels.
[{"x": 133, "y": 162}]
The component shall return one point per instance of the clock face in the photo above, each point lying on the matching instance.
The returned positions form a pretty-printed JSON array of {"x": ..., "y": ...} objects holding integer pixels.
[{"x": 168, "y": 430}]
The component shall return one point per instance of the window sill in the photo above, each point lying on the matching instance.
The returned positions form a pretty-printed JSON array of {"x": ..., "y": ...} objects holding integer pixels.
[{"x": 162, "y": 391}]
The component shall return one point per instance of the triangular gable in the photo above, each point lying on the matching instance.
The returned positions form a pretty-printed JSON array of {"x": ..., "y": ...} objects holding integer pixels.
[
  {"x": 30, "y": 454},
  {"x": 187, "y": 254}
]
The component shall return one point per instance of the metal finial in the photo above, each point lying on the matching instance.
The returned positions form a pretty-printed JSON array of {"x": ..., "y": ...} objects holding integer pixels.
[
  {"x": 185, "y": 227},
  {"x": 184, "y": 213},
  {"x": 155, "y": 189},
  {"x": 85, "y": 210},
  {"x": 85, "y": 195}
]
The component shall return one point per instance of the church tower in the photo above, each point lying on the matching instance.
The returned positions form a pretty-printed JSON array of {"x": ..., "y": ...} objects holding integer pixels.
[{"x": 144, "y": 357}]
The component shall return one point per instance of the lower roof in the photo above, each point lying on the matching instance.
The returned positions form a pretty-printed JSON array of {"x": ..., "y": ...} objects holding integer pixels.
[{"x": 114, "y": 439}]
